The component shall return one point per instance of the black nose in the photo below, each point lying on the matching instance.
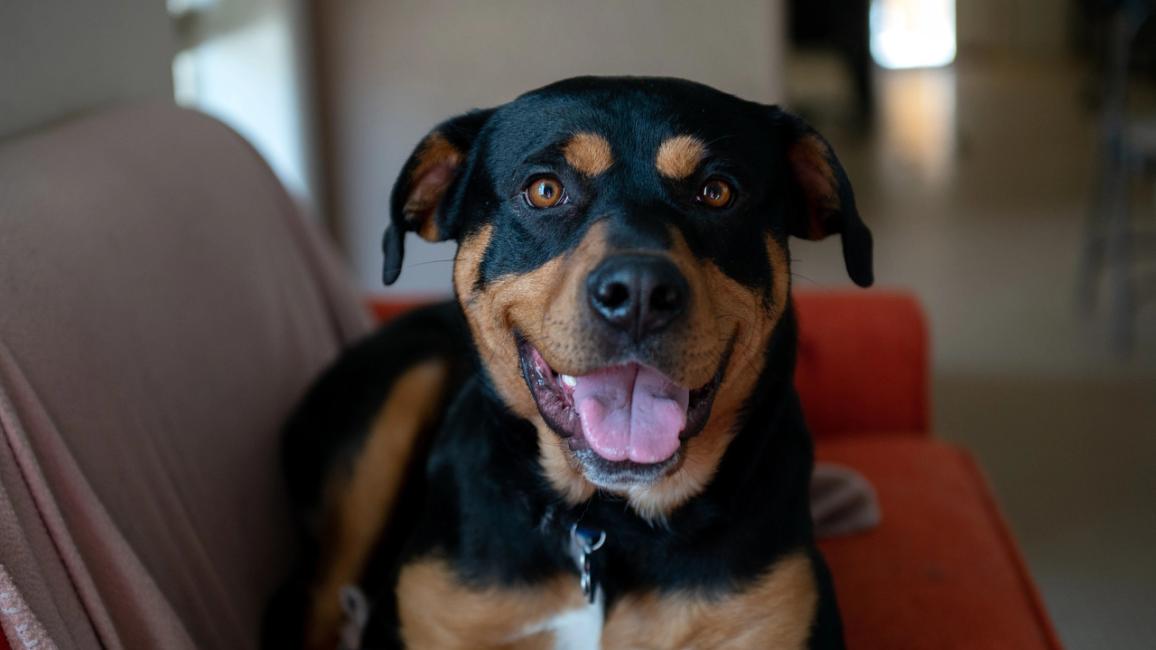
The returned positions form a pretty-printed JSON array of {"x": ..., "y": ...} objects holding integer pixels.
[{"x": 638, "y": 294}]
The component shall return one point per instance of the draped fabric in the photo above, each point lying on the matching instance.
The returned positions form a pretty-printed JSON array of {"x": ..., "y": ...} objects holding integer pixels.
[{"x": 162, "y": 308}]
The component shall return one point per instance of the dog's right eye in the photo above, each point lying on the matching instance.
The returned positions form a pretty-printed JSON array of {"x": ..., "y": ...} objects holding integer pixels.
[
  {"x": 716, "y": 193},
  {"x": 544, "y": 192}
]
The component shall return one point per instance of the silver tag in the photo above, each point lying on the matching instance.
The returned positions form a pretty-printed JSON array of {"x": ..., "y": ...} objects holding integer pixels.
[{"x": 583, "y": 543}]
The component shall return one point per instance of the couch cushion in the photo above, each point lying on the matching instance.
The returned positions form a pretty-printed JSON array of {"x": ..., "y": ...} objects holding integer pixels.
[
  {"x": 862, "y": 362},
  {"x": 162, "y": 308},
  {"x": 942, "y": 571}
]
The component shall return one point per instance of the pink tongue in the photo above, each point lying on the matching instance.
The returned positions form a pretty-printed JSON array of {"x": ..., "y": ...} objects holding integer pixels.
[{"x": 631, "y": 412}]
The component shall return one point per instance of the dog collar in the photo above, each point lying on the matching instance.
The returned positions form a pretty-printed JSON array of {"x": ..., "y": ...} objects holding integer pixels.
[{"x": 584, "y": 542}]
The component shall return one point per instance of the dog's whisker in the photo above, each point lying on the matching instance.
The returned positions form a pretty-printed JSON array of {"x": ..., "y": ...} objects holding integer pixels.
[
  {"x": 425, "y": 263},
  {"x": 804, "y": 277}
]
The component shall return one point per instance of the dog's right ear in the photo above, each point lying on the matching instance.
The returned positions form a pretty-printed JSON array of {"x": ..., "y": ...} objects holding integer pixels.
[{"x": 417, "y": 200}]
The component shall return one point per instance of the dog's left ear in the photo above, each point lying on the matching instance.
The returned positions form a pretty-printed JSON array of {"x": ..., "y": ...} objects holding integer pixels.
[
  {"x": 419, "y": 201},
  {"x": 822, "y": 202}
]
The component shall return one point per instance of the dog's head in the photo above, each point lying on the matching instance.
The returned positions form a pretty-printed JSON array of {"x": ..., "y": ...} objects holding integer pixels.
[{"x": 622, "y": 263}]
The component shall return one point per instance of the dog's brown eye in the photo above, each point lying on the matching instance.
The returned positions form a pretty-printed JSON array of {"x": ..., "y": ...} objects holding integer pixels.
[
  {"x": 716, "y": 193},
  {"x": 544, "y": 192}
]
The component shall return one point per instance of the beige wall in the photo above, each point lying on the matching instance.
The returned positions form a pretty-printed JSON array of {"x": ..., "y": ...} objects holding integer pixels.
[
  {"x": 394, "y": 69},
  {"x": 60, "y": 57}
]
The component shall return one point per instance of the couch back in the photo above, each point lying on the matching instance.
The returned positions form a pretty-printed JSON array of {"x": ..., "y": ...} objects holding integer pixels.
[{"x": 162, "y": 307}]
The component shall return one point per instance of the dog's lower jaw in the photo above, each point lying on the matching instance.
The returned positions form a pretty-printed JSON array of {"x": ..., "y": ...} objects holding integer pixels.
[
  {"x": 559, "y": 467},
  {"x": 652, "y": 502},
  {"x": 619, "y": 477}
]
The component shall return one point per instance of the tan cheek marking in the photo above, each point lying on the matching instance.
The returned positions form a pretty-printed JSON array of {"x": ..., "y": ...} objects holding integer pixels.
[
  {"x": 544, "y": 305},
  {"x": 589, "y": 153},
  {"x": 506, "y": 303},
  {"x": 437, "y": 163},
  {"x": 562, "y": 330},
  {"x": 541, "y": 304},
  {"x": 563, "y": 322},
  {"x": 776, "y": 612},
  {"x": 437, "y": 611},
  {"x": 781, "y": 278},
  {"x": 811, "y": 167},
  {"x": 488, "y": 324},
  {"x": 361, "y": 506},
  {"x": 468, "y": 261},
  {"x": 678, "y": 157},
  {"x": 559, "y": 467}
]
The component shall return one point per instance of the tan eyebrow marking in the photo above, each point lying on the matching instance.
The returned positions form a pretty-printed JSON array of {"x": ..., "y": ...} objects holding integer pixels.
[
  {"x": 589, "y": 153},
  {"x": 679, "y": 156}
]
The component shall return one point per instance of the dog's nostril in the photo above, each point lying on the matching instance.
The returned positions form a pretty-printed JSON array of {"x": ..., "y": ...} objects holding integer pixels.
[
  {"x": 665, "y": 298},
  {"x": 613, "y": 294}
]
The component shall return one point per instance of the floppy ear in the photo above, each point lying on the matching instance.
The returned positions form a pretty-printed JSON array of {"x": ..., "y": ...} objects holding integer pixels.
[
  {"x": 822, "y": 201},
  {"x": 417, "y": 203}
]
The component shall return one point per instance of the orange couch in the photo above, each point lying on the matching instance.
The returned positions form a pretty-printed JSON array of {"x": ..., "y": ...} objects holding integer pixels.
[{"x": 942, "y": 571}]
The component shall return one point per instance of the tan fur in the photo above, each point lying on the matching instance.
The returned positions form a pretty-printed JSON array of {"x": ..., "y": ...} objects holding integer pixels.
[
  {"x": 546, "y": 305},
  {"x": 775, "y": 613},
  {"x": 491, "y": 316},
  {"x": 467, "y": 262},
  {"x": 678, "y": 157},
  {"x": 809, "y": 159},
  {"x": 589, "y": 153},
  {"x": 522, "y": 301},
  {"x": 437, "y": 161},
  {"x": 362, "y": 504},
  {"x": 438, "y": 612},
  {"x": 559, "y": 466}
]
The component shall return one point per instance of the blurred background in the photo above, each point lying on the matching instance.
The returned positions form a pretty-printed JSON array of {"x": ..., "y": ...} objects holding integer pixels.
[{"x": 1001, "y": 151}]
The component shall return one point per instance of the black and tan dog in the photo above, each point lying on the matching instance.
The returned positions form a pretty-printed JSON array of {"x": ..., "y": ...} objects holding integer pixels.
[{"x": 608, "y": 402}]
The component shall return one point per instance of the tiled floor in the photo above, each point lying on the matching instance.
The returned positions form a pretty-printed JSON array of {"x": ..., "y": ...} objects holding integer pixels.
[{"x": 976, "y": 184}]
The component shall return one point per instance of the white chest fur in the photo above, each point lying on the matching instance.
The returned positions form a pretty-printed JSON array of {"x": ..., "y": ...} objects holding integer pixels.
[{"x": 573, "y": 629}]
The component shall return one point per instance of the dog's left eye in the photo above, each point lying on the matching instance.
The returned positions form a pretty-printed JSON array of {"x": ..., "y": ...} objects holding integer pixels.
[
  {"x": 715, "y": 193},
  {"x": 544, "y": 192}
]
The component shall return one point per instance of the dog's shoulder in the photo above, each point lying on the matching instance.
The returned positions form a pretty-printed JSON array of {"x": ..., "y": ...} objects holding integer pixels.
[
  {"x": 335, "y": 416},
  {"x": 354, "y": 453}
]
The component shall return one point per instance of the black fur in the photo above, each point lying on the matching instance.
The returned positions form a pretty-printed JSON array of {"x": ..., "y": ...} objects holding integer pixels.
[{"x": 482, "y": 500}]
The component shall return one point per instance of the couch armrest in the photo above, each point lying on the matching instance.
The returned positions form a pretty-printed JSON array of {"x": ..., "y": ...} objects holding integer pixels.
[
  {"x": 862, "y": 359},
  {"x": 384, "y": 309},
  {"x": 863, "y": 362}
]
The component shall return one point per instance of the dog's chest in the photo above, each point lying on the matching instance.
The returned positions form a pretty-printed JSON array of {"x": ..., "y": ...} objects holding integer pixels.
[{"x": 573, "y": 629}]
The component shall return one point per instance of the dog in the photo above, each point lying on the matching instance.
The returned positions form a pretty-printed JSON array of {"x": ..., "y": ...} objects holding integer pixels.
[{"x": 598, "y": 443}]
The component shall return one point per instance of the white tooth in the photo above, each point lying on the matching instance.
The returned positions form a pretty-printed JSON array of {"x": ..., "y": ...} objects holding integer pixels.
[{"x": 568, "y": 381}]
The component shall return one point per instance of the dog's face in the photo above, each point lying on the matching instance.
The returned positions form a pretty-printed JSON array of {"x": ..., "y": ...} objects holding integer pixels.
[{"x": 622, "y": 263}]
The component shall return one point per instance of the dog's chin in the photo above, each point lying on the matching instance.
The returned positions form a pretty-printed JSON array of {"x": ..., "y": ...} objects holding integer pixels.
[
  {"x": 615, "y": 469},
  {"x": 622, "y": 475}
]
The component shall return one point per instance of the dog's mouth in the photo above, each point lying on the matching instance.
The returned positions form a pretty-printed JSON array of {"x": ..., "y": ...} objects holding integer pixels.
[{"x": 624, "y": 423}]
